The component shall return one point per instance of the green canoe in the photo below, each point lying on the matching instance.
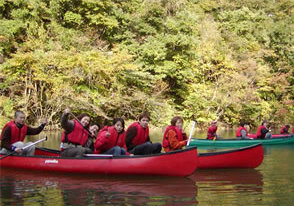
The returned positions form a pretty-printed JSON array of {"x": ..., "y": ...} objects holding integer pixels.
[{"x": 240, "y": 143}]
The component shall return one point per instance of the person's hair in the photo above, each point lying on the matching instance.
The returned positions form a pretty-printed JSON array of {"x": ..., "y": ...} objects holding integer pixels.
[
  {"x": 81, "y": 116},
  {"x": 175, "y": 119},
  {"x": 119, "y": 120},
  {"x": 17, "y": 113},
  {"x": 263, "y": 122},
  {"x": 92, "y": 124},
  {"x": 242, "y": 123},
  {"x": 288, "y": 126},
  {"x": 144, "y": 115}
]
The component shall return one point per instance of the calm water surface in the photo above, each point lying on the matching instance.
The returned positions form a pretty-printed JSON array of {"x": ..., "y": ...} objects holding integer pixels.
[{"x": 272, "y": 183}]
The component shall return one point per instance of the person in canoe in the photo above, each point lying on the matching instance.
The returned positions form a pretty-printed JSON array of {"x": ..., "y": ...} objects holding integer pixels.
[
  {"x": 111, "y": 139},
  {"x": 14, "y": 132},
  {"x": 242, "y": 132},
  {"x": 138, "y": 140},
  {"x": 75, "y": 135},
  {"x": 285, "y": 129},
  {"x": 174, "y": 137},
  {"x": 211, "y": 132},
  {"x": 94, "y": 128},
  {"x": 263, "y": 131}
]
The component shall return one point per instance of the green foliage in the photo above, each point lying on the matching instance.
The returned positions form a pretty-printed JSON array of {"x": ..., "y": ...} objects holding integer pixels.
[{"x": 212, "y": 59}]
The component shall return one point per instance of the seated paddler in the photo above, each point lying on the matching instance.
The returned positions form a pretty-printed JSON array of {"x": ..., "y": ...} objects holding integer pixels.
[
  {"x": 174, "y": 137},
  {"x": 242, "y": 132},
  {"x": 211, "y": 132},
  {"x": 137, "y": 137},
  {"x": 111, "y": 139},
  {"x": 285, "y": 129},
  {"x": 14, "y": 133},
  {"x": 263, "y": 131},
  {"x": 75, "y": 135}
]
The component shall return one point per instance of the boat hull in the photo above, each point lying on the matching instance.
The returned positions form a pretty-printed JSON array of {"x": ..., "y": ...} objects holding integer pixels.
[
  {"x": 177, "y": 163},
  {"x": 247, "y": 157},
  {"x": 220, "y": 143}
]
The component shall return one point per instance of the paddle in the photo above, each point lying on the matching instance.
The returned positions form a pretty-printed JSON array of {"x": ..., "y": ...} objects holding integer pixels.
[
  {"x": 192, "y": 129},
  {"x": 98, "y": 155},
  {"x": 27, "y": 146},
  {"x": 90, "y": 133}
]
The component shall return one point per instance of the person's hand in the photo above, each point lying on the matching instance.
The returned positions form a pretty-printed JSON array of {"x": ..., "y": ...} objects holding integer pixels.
[
  {"x": 107, "y": 134},
  {"x": 67, "y": 111},
  {"x": 45, "y": 121},
  {"x": 18, "y": 150}
]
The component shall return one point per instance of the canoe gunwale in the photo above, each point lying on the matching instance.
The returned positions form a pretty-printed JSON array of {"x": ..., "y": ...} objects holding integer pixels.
[
  {"x": 107, "y": 157},
  {"x": 228, "y": 151},
  {"x": 234, "y": 139}
]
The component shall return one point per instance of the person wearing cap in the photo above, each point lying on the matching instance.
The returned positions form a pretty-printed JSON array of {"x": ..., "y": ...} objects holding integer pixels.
[
  {"x": 211, "y": 132},
  {"x": 242, "y": 132}
]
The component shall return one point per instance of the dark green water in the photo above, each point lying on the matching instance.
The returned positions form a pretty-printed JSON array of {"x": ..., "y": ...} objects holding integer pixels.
[{"x": 272, "y": 183}]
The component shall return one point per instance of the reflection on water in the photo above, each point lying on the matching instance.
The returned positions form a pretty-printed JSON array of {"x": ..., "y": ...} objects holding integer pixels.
[
  {"x": 21, "y": 186},
  {"x": 238, "y": 180}
]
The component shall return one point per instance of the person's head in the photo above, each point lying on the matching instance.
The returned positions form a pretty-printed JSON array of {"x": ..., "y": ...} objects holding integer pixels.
[
  {"x": 19, "y": 117},
  {"x": 264, "y": 123},
  {"x": 119, "y": 124},
  {"x": 144, "y": 119},
  {"x": 242, "y": 124},
  {"x": 94, "y": 128},
  {"x": 84, "y": 119},
  {"x": 177, "y": 121},
  {"x": 287, "y": 126},
  {"x": 213, "y": 123}
]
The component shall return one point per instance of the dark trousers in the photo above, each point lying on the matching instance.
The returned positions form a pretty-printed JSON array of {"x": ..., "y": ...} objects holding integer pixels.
[
  {"x": 146, "y": 148},
  {"x": 116, "y": 151},
  {"x": 75, "y": 152}
]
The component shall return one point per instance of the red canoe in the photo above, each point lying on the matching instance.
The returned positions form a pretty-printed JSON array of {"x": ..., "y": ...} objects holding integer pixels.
[
  {"x": 177, "y": 163},
  {"x": 247, "y": 157}
]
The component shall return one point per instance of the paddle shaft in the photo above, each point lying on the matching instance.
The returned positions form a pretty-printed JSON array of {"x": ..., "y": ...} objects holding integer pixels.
[
  {"x": 98, "y": 155},
  {"x": 90, "y": 133},
  {"x": 36, "y": 142},
  {"x": 190, "y": 136}
]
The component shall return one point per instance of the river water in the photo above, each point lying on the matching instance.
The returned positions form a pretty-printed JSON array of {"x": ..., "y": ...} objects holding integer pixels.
[{"x": 271, "y": 184}]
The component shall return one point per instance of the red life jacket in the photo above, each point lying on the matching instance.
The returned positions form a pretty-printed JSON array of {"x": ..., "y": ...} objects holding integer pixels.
[
  {"x": 104, "y": 143},
  {"x": 258, "y": 133},
  {"x": 16, "y": 133},
  {"x": 165, "y": 142},
  {"x": 78, "y": 136},
  {"x": 211, "y": 132},
  {"x": 282, "y": 130},
  {"x": 238, "y": 132},
  {"x": 142, "y": 134}
]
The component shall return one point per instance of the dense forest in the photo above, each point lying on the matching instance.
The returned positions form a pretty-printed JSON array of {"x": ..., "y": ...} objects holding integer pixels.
[{"x": 204, "y": 59}]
